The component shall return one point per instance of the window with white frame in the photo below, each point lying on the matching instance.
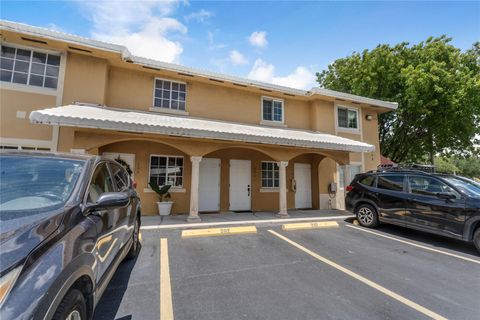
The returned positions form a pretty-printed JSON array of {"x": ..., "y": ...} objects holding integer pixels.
[
  {"x": 272, "y": 109},
  {"x": 170, "y": 94},
  {"x": 270, "y": 175},
  {"x": 166, "y": 170},
  {"x": 347, "y": 118},
  {"x": 29, "y": 67}
]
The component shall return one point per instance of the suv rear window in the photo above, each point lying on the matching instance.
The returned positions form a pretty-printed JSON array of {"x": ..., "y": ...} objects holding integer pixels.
[
  {"x": 390, "y": 182},
  {"x": 368, "y": 181}
]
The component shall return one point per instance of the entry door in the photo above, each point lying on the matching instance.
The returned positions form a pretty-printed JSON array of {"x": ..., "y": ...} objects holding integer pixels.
[
  {"x": 303, "y": 194},
  {"x": 240, "y": 185},
  {"x": 129, "y": 158},
  {"x": 209, "y": 185}
]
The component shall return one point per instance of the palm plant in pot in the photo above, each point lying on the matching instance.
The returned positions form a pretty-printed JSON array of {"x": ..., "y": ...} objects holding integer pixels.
[{"x": 164, "y": 206}]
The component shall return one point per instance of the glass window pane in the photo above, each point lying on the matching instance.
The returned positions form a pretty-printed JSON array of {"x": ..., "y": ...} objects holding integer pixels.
[
  {"x": 52, "y": 71},
  {"x": 36, "y": 80},
  {"x": 267, "y": 110},
  {"x": 153, "y": 161},
  {"x": 165, "y": 103},
  {"x": 175, "y": 95},
  {"x": 352, "y": 119},
  {"x": 8, "y": 52},
  {"x": 175, "y": 86},
  {"x": 158, "y": 103},
  {"x": 53, "y": 60},
  {"x": 342, "y": 118},
  {"x": 390, "y": 182},
  {"x": 20, "y": 78},
  {"x": 162, "y": 161},
  {"x": 166, "y": 94},
  {"x": 51, "y": 82},
  {"x": 276, "y": 183},
  {"x": 181, "y": 96},
  {"x": 182, "y": 87},
  {"x": 174, "y": 105},
  {"x": 6, "y": 75},
  {"x": 21, "y": 66},
  {"x": 158, "y": 93},
  {"x": 166, "y": 85},
  {"x": 39, "y": 57},
  {"x": 180, "y": 162},
  {"x": 158, "y": 84},
  {"x": 23, "y": 54},
  {"x": 6, "y": 64},
  {"x": 38, "y": 68},
  {"x": 181, "y": 105}
]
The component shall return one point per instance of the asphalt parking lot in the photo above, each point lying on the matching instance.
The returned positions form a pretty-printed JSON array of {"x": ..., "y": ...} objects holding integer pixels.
[{"x": 343, "y": 272}]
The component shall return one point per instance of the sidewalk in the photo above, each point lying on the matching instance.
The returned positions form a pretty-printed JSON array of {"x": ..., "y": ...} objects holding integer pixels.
[{"x": 233, "y": 218}]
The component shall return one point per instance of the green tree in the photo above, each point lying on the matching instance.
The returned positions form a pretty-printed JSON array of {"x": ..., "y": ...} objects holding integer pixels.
[{"x": 436, "y": 85}]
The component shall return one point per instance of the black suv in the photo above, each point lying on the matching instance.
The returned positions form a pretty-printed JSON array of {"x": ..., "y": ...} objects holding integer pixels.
[
  {"x": 66, "y": 222},
  {"x": 417, "y": 200}
]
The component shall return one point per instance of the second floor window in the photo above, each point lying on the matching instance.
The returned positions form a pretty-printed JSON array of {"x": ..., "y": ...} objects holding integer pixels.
[
  {"x": 347, "y": 118},
  {"x": 272, "y": 110},
  {"x": 29, "y": 67},
  {"x": 170, "y": 94}
]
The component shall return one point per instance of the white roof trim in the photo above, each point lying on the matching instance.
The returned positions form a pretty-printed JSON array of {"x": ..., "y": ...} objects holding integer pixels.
[
  {"x": 127, "y": 56},
  {"x": 133, "y": 121}
]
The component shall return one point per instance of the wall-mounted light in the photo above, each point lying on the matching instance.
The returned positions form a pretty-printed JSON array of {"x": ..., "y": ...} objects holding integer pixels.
[{"x": 369, "y": 117}]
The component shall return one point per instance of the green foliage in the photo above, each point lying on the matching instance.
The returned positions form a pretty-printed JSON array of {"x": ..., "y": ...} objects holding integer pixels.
[
  {"x": 445, "y": 165},
  {"x": 436, "y": 85},
  {"x": 468, "y": 166},
  {"x": 162, "y": 192}
]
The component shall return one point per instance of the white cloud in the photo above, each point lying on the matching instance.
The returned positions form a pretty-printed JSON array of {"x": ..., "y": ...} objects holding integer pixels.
[
  {"x": 199, "y": 16},
  {"x": 237, "y": 58},
  {"x": 258, "y": 39},
  {"x": 212, "y": 45},
  {"x": 301, "y": 78},
  {"x": 143, "y": 26}
]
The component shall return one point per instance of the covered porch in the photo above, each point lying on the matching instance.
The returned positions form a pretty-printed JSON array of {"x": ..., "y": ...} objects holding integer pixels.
[{"x": 213, "y": 166}]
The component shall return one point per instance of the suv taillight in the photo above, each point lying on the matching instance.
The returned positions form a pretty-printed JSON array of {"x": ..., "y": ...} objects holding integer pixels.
[{"x": 348, "y": 188}]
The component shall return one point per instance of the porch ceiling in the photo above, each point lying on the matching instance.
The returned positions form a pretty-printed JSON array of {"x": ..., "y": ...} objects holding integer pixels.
[{"x": 85, "y": 116}]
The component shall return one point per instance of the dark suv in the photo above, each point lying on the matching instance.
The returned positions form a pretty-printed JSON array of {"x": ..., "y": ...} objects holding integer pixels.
[
  {"x": 417, "y": 200},
  {"x": 66, "y": 222}
]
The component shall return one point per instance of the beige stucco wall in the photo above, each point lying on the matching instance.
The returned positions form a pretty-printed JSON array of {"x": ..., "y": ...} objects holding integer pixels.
[
  {"x": 12, "y": 101},
  {"x": 85, "y": 79}
]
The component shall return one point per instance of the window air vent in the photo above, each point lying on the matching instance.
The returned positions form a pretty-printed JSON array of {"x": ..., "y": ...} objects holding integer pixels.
[
  {"x": 239, "y": 85},
  {"x": 266, "y": 90},
  {"x": 215, "y": 80},
  {"x": 34, "y": 40},
  {"x": 151, "y": 68},
  {"x": 289, "y": 94},
  {"x": 79, "y": 49},
  {"x": 185, "y": 74}
]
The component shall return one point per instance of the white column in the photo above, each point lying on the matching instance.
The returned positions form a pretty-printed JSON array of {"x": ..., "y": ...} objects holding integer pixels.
[
  {"x": 193, "y": 215},
  {"x": 282, "y": 165}
]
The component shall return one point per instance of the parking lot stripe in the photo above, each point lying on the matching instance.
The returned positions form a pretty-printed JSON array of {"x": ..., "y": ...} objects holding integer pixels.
[
  {"x": 416, "y": 245},
  {"x": 362, "y": 279},
  {"x": 194, "y": 233},
  {"x": 166, "y": 305},
  {"x": 309, "y": 225}
]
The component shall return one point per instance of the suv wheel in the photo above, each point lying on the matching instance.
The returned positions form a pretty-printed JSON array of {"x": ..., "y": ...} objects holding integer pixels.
[
  {"x": 72, "y": 307},
  {"x": 135, "y": 248},
  {"x": 367, "y": 216},
  {"x": 476, "y": 238}
]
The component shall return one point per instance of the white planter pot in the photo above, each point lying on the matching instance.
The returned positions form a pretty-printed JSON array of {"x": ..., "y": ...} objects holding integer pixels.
[{"x": 164, "y": 208}]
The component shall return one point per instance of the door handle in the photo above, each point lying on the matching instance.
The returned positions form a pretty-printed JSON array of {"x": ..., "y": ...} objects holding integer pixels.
[{"x": 248, "y": 190}]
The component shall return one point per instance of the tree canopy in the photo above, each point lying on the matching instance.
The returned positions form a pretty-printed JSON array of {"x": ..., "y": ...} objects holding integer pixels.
[{"x": 436, "y": 85}]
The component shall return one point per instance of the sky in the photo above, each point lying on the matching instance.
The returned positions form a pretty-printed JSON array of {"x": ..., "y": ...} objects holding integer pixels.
[{"x": 284, "y": 42}]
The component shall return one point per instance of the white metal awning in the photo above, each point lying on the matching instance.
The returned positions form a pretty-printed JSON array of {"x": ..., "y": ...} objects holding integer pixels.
[{"x": 86, "y": 116}]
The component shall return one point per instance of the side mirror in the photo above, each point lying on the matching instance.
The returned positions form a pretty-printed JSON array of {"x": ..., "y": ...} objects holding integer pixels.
[
  {"x": 108, "y": 200},
  {"x": 446, "y": 196}
]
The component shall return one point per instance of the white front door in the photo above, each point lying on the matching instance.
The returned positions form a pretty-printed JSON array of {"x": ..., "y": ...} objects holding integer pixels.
[
  {"x": 129, "y": 158},
  {"x": 303, "y": 194},
  {"x": 240, "y": 185},
  {"x": 209, "y": 185}
]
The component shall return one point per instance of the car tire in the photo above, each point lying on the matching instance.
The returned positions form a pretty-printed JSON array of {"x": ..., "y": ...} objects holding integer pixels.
[
  {"x": 367, "y": 216},
  {"x": 135, "y": 248},
  {"x": 72, "y": 307},
  {"x": 476, "y": 238}
]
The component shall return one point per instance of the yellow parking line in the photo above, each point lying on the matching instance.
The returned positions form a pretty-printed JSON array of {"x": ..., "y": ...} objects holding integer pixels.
[
  {"x": 166, "y": 305},
  {"x": 362, "y": 279},
  {"x": 217, "y": 231},
  {"x": 416, "y": 245},
  {"x": 309, "y": 225}
]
